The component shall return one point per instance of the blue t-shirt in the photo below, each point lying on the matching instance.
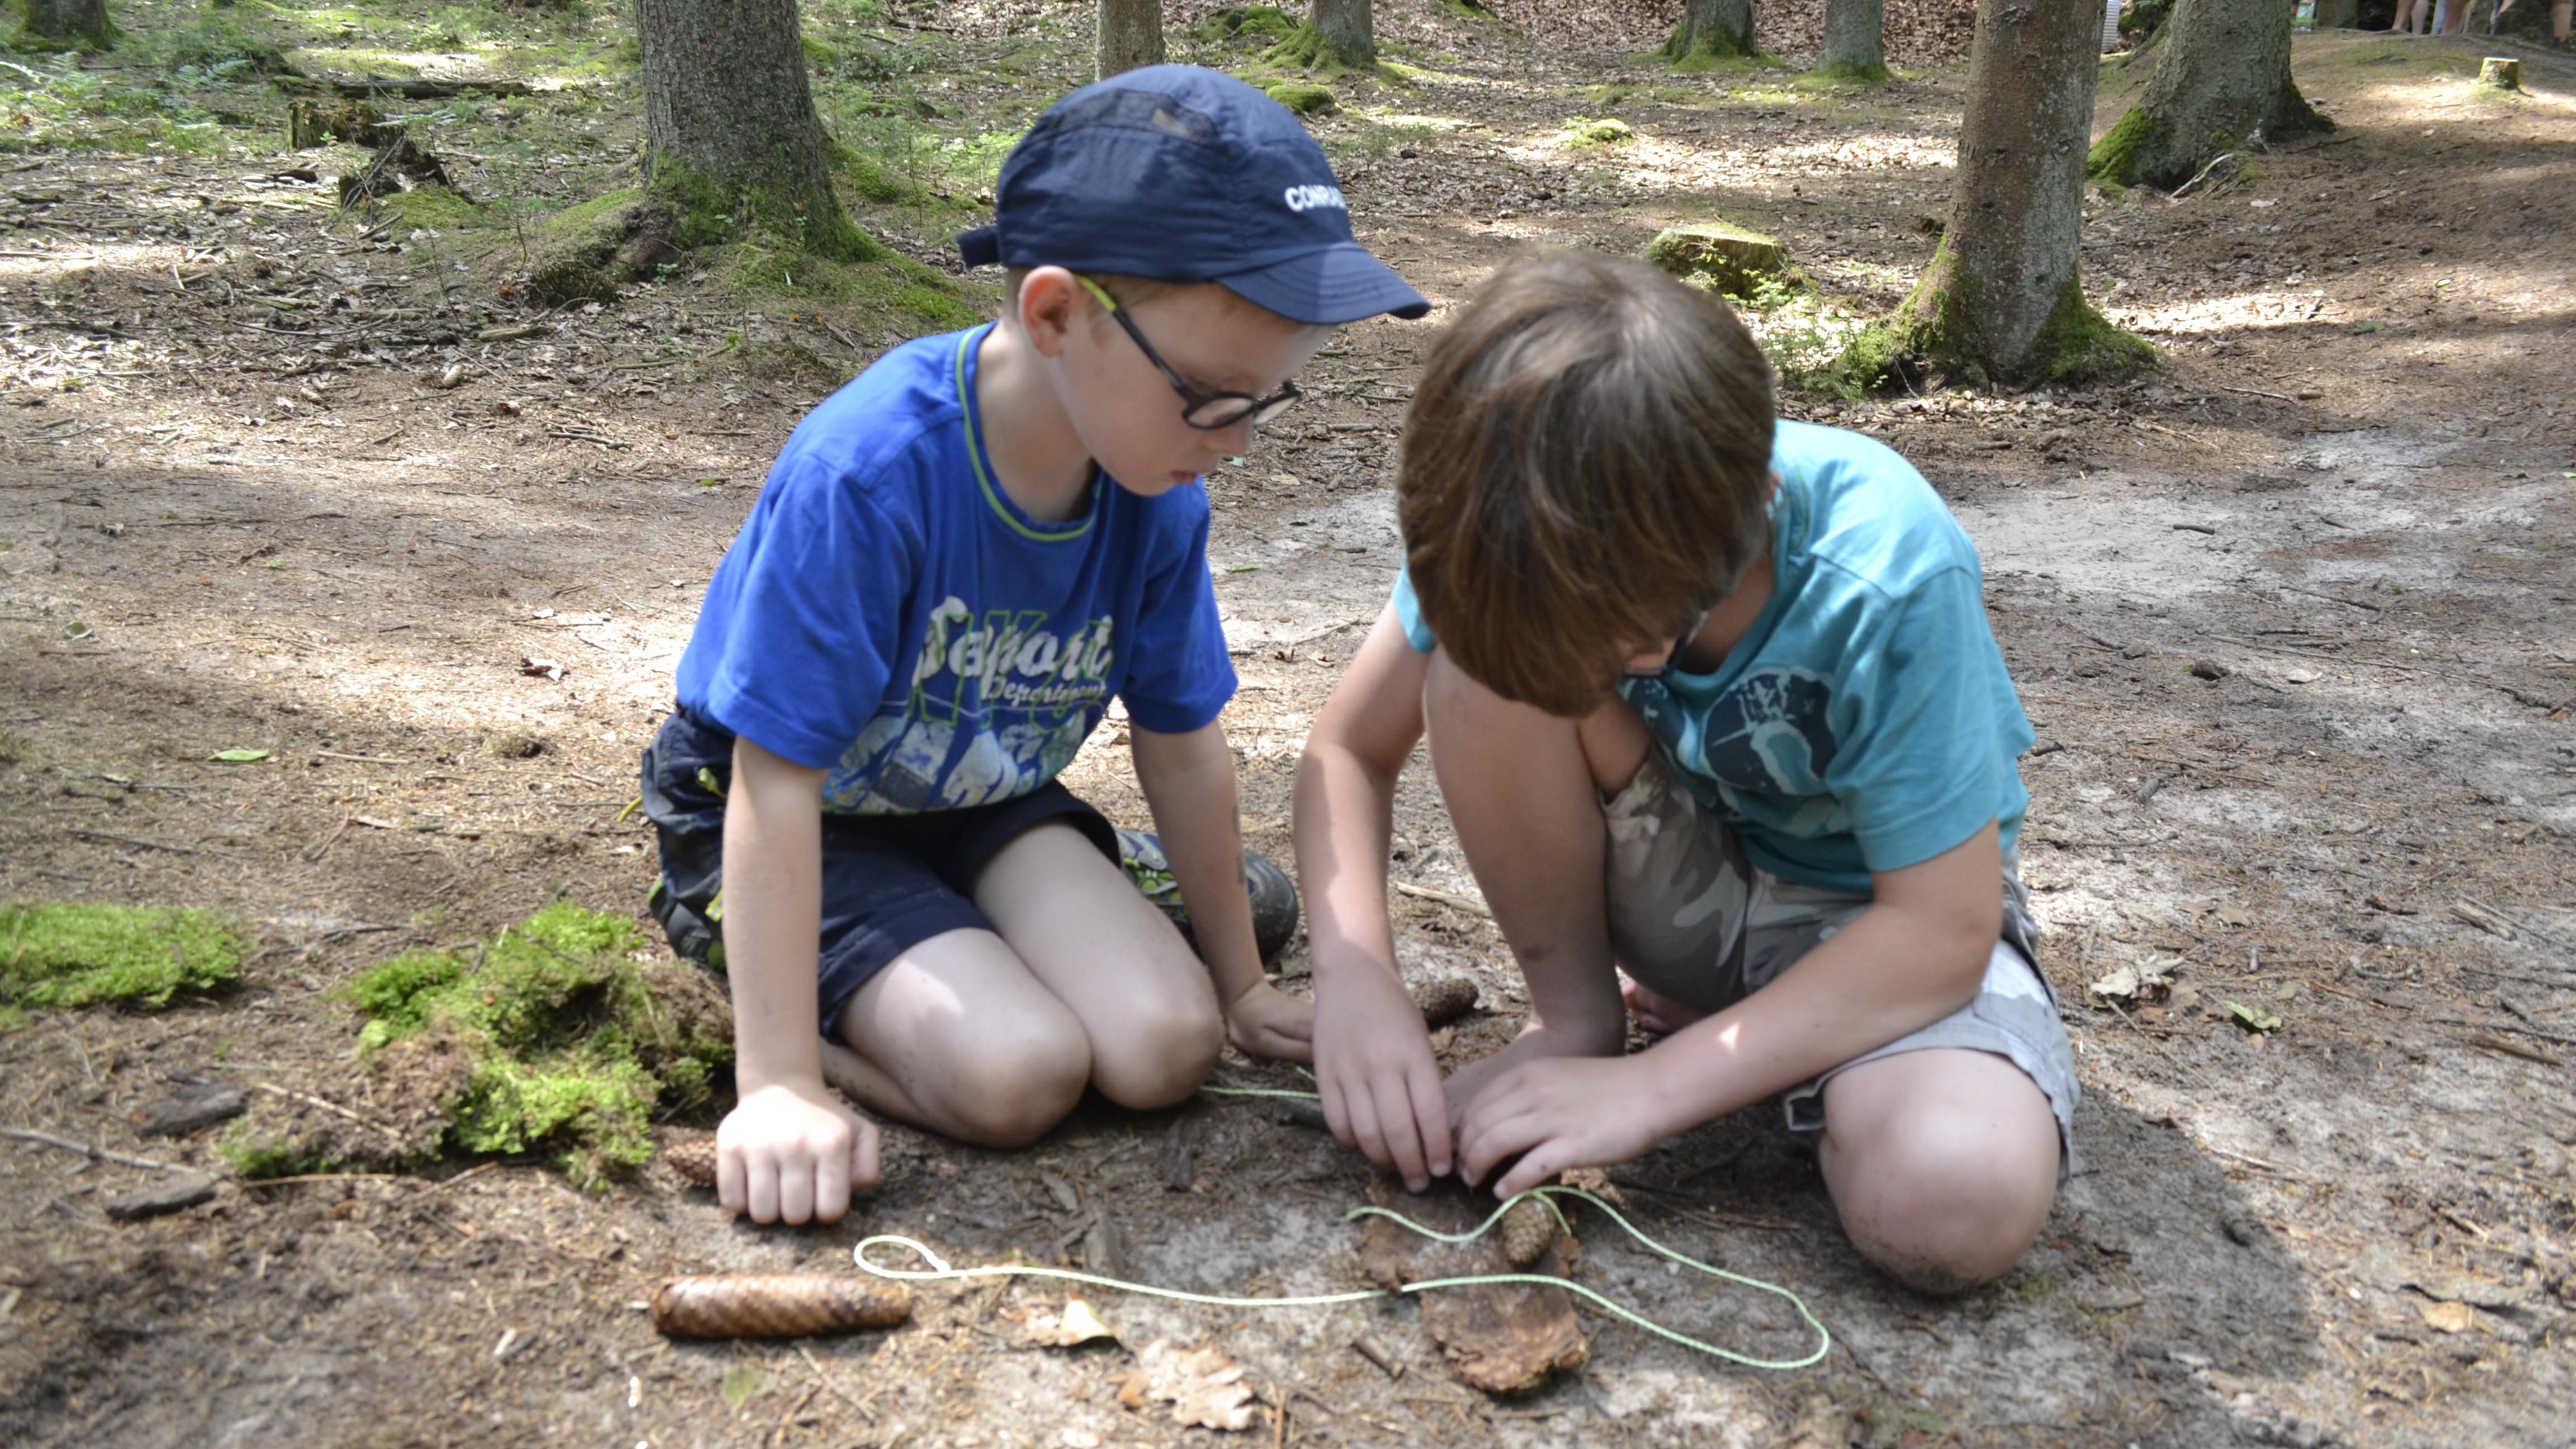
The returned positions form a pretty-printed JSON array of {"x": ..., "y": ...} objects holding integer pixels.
[
  {"x": 888, "y": 615},
  {"x": 1865, "y": 722}
]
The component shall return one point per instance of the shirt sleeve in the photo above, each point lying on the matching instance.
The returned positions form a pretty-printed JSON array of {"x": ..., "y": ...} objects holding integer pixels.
[
  {"x": 1179, "y": 676},
  {"x": 801, "y": 627},
  {"x": 1408, "y": 612},
  {"x": 1921, "y": 762}
]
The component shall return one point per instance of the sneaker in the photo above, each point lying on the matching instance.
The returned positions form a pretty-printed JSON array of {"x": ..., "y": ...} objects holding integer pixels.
[{"x": 1274, "y": 897}]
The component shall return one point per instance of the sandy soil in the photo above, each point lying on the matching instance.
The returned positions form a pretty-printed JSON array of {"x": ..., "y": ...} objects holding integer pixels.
[{"x": 2346, "y": 497}]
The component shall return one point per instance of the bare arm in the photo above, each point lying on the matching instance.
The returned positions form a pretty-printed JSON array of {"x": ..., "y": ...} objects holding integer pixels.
[
  {"x": 1916, "y": 955},
  {"x": 1380, "y": 1086},
  {"x": 789, "y": 1149},
  {"x": 1189, "y": 784}
]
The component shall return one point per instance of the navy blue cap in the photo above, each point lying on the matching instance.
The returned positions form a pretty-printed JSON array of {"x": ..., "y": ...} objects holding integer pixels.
[{"x": 1184, "y": 174}]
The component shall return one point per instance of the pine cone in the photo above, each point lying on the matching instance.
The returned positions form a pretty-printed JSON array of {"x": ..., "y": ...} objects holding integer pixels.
[
  {"x": 776, "y": 1305},
  {"x": 1445, "y": 1001},
  {"x": 693, "y": 1158},
  {"x": 1525, "y": 1232}
]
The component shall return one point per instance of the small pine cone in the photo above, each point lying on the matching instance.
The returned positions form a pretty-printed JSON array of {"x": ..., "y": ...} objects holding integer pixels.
[
  {"x": 1445, "y": 1001},
  {"x": 694, "y": 1159},
  {"x": 776, "y": 1305},
  {"x": 1525, "y": 1232}
]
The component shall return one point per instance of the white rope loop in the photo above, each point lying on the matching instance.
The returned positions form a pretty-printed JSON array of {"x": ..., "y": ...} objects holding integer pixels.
[{"x": 940, "y": 1270}]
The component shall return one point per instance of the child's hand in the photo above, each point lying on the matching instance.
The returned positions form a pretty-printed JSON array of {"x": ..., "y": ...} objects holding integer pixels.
[
  {"x": 1268, "y": 1022},
  {"x": 1380, "y": 1086},
  {"x": 790, "y": 1152},
  {"x": 1558, "y": 1113}
]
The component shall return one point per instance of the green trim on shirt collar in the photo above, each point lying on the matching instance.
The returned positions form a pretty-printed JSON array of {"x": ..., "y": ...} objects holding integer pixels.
[{"x": 984, "y": 475}]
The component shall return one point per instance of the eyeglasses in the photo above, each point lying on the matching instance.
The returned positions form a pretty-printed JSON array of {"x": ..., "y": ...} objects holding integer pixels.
[
  {"x": 1673, "y": 659},
  {"x": 1205, "y": 411}
]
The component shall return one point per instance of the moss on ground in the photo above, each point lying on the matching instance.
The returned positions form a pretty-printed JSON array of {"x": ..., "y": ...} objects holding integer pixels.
[
  {"x": 1843, "y": 72},
  {"x": 1266, "y": 23},
  {"x": 67, "y": 954},
  {"x": 552, "y": 1037},
  {"x": 1584, "y": 131},
  {"x": 1304, "y": 97}
]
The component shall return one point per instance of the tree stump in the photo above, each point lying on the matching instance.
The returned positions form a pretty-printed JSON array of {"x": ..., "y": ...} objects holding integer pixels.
[{"x": 2501, "y": 72}]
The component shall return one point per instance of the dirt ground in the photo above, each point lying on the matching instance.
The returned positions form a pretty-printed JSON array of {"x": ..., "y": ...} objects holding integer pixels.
[{"x": 2292, "y": 616}]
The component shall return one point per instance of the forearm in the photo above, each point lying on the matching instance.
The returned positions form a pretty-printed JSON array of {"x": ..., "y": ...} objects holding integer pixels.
[
  {"x": 1189, "y": 785},
  {"x": 1888, "y": 973},
  {"x": 773, "y": 866},
  {"x": 1344, "y": 822}
]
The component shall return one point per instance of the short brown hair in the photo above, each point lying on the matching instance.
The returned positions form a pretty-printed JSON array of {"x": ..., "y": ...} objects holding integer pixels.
[{"x": 1585, "y": 466}]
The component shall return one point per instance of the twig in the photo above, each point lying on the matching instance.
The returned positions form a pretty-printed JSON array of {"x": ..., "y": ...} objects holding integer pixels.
[
  {"x": 310, "y": 1100},
  {"x": 2257, "y": 392},
  {"x": 2511, "y": 1049},
  {"x": 136, "y": 842},
  {"x": 2530, "y": 1031},
  {"x": 837, "y": 1391},
  {"x": 96, "y": 1154},
  {"x": 318, "y": 1177},
  {"x": 361, "y": 759},
  {"x": 1451, "y": 899}
]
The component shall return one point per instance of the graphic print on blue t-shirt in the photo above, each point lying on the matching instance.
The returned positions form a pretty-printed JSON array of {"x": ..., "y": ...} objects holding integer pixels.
[
  {"x": 1865, "y": 722},
  {"x": 889, "y": 616}
]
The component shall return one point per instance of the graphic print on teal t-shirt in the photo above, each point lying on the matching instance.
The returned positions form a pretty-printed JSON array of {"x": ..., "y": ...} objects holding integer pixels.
[
  {"x": 1865, "y": 722},
  {"x": 888, "y": 615}
]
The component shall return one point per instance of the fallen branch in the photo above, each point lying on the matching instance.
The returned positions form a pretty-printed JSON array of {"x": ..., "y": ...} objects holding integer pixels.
[
  {"x": 95, "y": 1154},
  {"x": 1451, "y": 899}
]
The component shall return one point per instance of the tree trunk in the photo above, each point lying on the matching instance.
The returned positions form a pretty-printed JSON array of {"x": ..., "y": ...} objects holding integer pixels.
[
  {"x": 1131, "y": 35},
  {"x": 1719, "y": 29},
  {"x": 2225, "y": 75},
  {"x": 2338, "y": 14},
  {"x": 1338, "y": 35},
  {"x": 1349, "y": 31},
  {"x": 730, "y": 133},
  {"x": 69, "y": 20},
  {"x": 1855, "y": 38},
  {"x": 2002, "y": 300}
]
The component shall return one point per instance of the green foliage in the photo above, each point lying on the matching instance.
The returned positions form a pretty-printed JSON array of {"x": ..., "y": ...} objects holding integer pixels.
[
  {"x": 1721, "y": 257},
  {"x": 211, "y": 46},
  {"x": 253, "y": 1155},
  {"x": 1582, "y": 131},
  {"x": 70, "y": 954},
  {"x": 571, "y": 1045}
]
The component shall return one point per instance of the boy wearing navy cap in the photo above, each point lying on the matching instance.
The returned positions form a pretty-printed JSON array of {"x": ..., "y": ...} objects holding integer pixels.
[{"x": 958, "y": 561}]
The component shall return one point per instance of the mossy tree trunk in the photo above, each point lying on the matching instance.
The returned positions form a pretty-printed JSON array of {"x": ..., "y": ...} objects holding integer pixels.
[
  {"x": 1855, "y": 38},
  {"x": 730, "y": 134},
  {"x": 83, "y": 21},
  {"x": 1719, "y": 28},
  {"x": 1131, "y": 35},
  {"x": 2002, "y": 300},
  {"x": 2225, "y": 74},
  {"x": 1338, "y": 35}
]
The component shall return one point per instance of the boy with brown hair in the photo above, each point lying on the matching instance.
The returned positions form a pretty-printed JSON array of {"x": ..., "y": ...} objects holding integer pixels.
[
  {"x": 957, "y": 562},
  {"x": 1711, "y": 698}
]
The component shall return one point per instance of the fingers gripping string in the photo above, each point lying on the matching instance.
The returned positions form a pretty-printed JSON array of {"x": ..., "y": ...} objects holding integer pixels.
[{"x": 939, "y": 1269}]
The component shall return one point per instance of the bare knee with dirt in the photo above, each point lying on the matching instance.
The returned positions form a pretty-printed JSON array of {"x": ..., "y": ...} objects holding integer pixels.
[{"x": 1943, "y": 1165}]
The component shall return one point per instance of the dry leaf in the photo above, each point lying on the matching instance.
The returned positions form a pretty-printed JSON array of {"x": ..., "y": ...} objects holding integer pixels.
[
  {"x": 2450, "y": 1317},
  {"x": 1077, "y": 1325},
  {"x": 1204, "y": 1386},
  {"x": 2135, "y": 984},
  {"x": 541, "y": 668}
]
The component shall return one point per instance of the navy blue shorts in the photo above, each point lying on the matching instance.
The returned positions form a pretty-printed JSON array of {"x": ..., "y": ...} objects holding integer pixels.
[{"x": 890, "y": 882}]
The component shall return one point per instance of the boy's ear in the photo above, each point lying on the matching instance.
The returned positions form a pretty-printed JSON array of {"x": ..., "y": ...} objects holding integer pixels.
[{"x": 1051, "y": 302}]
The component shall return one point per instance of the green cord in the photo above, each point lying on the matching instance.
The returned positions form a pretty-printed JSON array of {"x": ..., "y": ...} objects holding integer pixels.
[{"x": 939, "y": 1268}]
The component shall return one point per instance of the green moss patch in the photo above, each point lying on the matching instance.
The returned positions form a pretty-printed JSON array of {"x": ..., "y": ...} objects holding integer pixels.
[
  {"x": 1240, "y": 23},
  {"x": 1304, "y": 97},
  {"x": 1721, "y": 257},
  {"x": 559, "y": 1036},
  {"x": 1584, "y": 131},
  {"x": 65, "y": 954},
  {"x": 2113, "y": 159}
]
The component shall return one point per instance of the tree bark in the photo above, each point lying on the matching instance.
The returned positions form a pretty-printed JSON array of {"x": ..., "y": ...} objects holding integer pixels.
[
  {"x": 1349, "y": 31},
  {"x": 1719, "y": 28},
  {"x": 2002, "y": 300},
  {"x": 69, "y": 20},
  {"x": 730, "y": 133},
  {"x": 1855, "y": 38},
  {"x": 1131, "y": 35},
  {"x": 2225, "y": 75}
]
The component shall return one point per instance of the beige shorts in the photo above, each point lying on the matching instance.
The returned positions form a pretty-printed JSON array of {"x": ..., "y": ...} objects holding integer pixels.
[{"x": 1695, "y": 921}]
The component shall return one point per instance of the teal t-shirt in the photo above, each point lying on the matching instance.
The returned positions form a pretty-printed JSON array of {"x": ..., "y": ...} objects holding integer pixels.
[{"x": 1866, "y": 721}]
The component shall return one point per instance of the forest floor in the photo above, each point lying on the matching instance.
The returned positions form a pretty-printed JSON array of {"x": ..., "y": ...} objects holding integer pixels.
[{"x": 237, "y": 511}]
